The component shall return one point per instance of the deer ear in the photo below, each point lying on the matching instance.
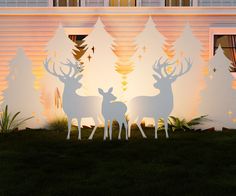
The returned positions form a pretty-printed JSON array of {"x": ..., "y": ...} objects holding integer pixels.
[
  {"x": 100, "y": 91},
  {"x": 110, "y": 90}
]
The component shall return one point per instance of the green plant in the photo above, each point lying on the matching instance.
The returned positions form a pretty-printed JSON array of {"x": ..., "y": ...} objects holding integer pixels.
[
  {"x": 9, "y": 122},
  {"x": 58, "y": 124},
  {"x": 175, "y": 123}
]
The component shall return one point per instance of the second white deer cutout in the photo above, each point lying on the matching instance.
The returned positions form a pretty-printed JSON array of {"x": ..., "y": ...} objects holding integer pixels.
[
  {"x": 113, "y": 111},
  {"x": 74, "y": 105},
  {"x": 160, "y": 105}
]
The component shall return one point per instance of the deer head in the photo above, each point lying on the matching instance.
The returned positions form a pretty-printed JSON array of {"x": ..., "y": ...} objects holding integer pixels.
[
  {"x": 107, "y": 96},
  {"x": 165, "y": 78},
  {"x": 71, "y": 77}
]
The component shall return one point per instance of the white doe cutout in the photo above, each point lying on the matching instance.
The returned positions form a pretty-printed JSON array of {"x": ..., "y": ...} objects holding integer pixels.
[
  {"x": 160, "y": 105},
  {"x": 74, "y": 105},
  {"x": 113, "y": 110}
]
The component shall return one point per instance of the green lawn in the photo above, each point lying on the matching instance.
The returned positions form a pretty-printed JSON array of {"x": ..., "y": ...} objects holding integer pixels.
[{"x": 189, "y": 163}]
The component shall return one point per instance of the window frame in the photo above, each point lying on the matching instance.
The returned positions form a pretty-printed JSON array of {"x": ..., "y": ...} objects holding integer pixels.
[{"x": 218, "y": 31}]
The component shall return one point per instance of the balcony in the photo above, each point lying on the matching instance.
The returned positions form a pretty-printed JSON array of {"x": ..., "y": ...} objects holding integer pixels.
[{"x": 117, "y": 3}]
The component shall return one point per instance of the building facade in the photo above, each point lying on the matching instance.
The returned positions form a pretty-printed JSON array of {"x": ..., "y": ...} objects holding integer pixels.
[{"x": 30, "y": 24}]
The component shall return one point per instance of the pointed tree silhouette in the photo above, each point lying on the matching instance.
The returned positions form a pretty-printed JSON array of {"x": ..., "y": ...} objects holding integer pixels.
[
  {"x": 187, "y": 89},
  {"x": 99, "y": 62},
  {"x": 218, "y": 98},
  {"x": 20, "y": 95},
  {"x": 59, "y": 49},
  {"x": 150, "y": 44}
]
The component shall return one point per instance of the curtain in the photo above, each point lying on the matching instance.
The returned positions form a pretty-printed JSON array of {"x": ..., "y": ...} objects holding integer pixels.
[
  {"x": 232, "y": 43},
  {"x": 73, "y": 38},
  {"x": 178, "y": 3},
  {"x": 62, "y": 3}
]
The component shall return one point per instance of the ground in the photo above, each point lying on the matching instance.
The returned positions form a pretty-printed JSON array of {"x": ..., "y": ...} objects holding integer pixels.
[{"x": 41, "y": 162}]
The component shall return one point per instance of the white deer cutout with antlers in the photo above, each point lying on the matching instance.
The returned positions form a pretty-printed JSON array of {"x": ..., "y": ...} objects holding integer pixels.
[
  {"x": 160, "y": 105},
  {"x": 113, "y": 110},
  {"x": 74, "y": 105}
]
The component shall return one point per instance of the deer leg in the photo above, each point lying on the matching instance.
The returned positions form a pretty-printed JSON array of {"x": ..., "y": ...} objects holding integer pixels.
[
  {"x": 129, "y": 127},
  {"x": 166, "y": 127},
  {"x": 126, "y": 130},
  {"x": 110, "y": 130},
  {"x": 94, "y": 129},
  {"x": 105, "y": 129},
  {"x": 140, "y": 128},
  {"x": 120, "y": 128},
  {"x": 69, "y": 128},
  {"x": 79, "y": 129},
  {"x": 156, "y": 128}
]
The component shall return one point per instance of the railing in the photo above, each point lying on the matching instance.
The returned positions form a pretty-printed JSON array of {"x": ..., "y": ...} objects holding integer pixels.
[
  {"x": 115, "y": 3},
  {"x": 211, "y": 3},
  {"x": 24, "y": 3}
]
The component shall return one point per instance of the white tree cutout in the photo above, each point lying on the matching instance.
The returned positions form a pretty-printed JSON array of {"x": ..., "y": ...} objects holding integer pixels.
[
  {"x": 160, "y": 105},
  {"x": 59, "y": 49},
  {"x": 113, "y": 110},
  {"x": 75, "y": 106},
  {"x": 187, "y": 89},
  {"x": 150, "y": 43},
  {"x": 218, "y": 98},
  {"x": 20, "y": 95},
  {"x": 99, "y": 61}
]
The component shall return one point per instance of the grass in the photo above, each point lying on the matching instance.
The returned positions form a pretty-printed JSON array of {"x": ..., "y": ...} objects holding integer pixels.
[{"x": 41, "y": 162}]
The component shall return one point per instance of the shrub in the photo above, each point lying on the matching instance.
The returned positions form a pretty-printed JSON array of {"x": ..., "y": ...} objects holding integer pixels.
[
  {"x": 58, "y": 124},
  {"x": 9, "y": 122},
  {"x": 175, "y": 123}
]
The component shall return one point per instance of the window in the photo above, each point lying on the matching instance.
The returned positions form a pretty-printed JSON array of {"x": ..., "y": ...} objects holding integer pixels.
[
  {"x": 178, "y": 3},
  {"x": 78, "y": 39},
  {"x": 23, "y": 3},
  {"x": 66, "y": 3},
  {"x": 122, "y": 3},
  {"x": 228, "y": 44}
]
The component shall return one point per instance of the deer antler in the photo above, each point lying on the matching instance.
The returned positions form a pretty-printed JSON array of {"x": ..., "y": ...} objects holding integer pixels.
[
  {"x": 158, "y": 66},
  {"x": 53, "y": 71},
  {"x": 72, "y": 67},
  {"x": 182, "y": 72}
]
